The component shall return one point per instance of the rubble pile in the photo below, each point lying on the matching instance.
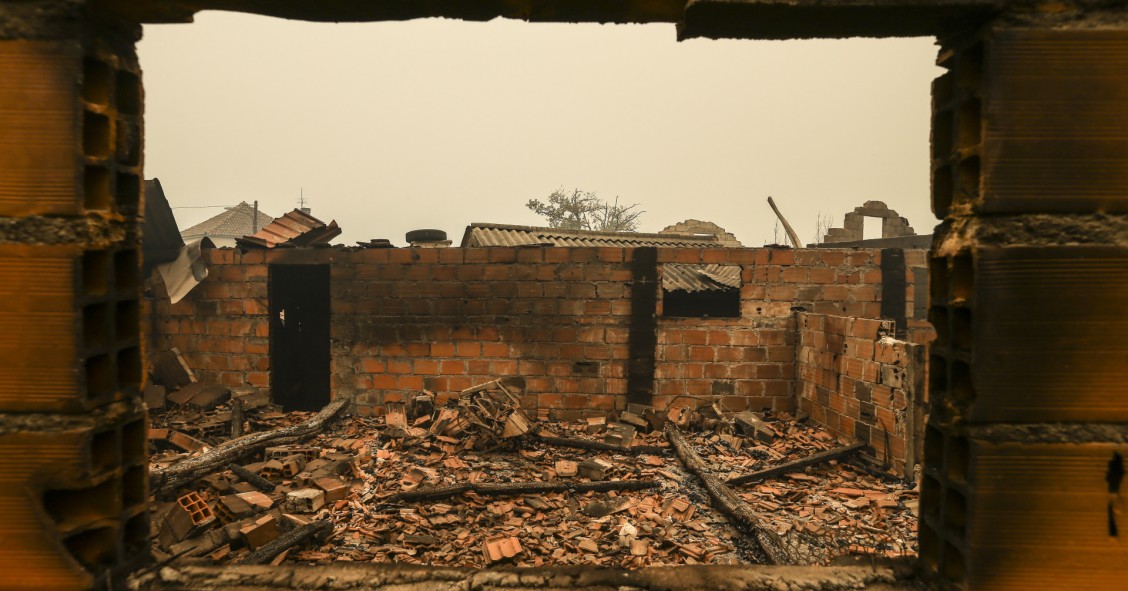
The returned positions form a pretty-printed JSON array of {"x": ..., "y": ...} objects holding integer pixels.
[{"x": 477, "y": 483}]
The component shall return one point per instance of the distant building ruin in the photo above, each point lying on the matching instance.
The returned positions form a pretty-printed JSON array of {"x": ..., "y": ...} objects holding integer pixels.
[{"x": 892, "y": 224}]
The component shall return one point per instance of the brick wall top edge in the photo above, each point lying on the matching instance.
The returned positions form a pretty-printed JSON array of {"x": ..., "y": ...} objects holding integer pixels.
[{"x": 501, "y": 254}]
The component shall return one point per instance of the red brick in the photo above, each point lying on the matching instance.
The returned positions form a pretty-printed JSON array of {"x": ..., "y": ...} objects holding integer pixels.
[
  {"x": 822, "y": 275},
  {"x": 719, "y": 337},
  {"x": 615, "y": 255},
  {"x": 795, "y": 274},
  {"x": 442, "y": 349},
  {"x": 574, "y": 401},
  {"x": 409, "y": 382},
  {"x": 452, "y": 368},
  {"x": 398, "y": 366},
  {"x": 451, "y": 255},
  {"x": 786, "y": 293},
  {"x": 697, "y": 353},
  {"x": 256, "y": 272},
  {"x": 530, "y": 254},
  {"x": 832, "y": 258},
  {"x": 502, "y": 255},
  {"x": 465, "y": 349},
  {"x": 714, "y": 256},
  {"x": 778, "y": 256},
  {"x": 383, "y": 381},
  {"x": 691, "y": 371},
  {"x": 556, "y": 255}
]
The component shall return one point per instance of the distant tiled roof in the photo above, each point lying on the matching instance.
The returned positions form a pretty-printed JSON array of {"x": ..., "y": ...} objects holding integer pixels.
[
  {"x": 692, "y": 278},
  {"x": 482, "y": 234},
  {"x": 233, "y": 223},
  {"x": 297, "y": 228}
]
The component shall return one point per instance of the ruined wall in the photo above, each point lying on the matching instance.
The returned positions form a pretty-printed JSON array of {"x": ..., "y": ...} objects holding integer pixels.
[
  {"x": 1023, "y": 479},
  {"x": 445, "y": 319},
  {"x": 863, "y": 385},
  {"x": 404, "y": 320},
  {"x": 853, "y": 224},
  {"x": 73, "y": 464},
  {"x": 749, "y": 362}
]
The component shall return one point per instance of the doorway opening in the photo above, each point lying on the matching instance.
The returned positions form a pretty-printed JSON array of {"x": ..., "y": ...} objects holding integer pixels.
[{"x": 299, "y": 336}]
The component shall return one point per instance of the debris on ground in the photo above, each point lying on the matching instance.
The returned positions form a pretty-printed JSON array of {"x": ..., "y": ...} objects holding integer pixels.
[{"x": 477, "y": 482}]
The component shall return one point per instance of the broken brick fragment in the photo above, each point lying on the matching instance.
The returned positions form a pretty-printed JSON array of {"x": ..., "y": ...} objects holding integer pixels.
[{"x": 500, "y": 548}]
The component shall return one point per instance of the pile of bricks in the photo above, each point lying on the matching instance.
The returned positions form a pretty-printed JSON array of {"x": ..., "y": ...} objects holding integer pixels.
[{"x": 356, "y": 475}]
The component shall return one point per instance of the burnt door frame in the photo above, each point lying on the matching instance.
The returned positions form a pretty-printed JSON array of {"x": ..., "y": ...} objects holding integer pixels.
[{"x": 299, "y": 336}]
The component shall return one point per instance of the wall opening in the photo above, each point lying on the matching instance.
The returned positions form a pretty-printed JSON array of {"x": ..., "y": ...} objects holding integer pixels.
[
  {"x": 299, "y": 336},
  {"x": 871, "y": 228},
  {"x": 701, "y": 291},
  {"x": 724, "y": 303}
]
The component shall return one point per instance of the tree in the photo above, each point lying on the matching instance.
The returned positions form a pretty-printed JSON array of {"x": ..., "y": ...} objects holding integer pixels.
[
  {"x": 823, "y": 224},
  {"x": 583, "y": 210}
]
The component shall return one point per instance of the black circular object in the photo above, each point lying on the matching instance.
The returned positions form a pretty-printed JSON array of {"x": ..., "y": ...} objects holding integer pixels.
[{"x": 426, "y": 236}]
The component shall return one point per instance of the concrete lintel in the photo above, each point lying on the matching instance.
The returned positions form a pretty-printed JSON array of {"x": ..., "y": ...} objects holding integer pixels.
[
  {"x": 804, "y": 19},
  {"x": 597, "y": 11}
]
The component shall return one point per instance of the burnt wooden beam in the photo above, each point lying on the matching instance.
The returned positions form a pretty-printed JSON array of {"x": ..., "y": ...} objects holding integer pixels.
[
  {"x": 188, "y": 470},
  {"x": 811, "y": 460},
  {"x": 728, "y": 502},
  {"x": 643, "y": 338}
]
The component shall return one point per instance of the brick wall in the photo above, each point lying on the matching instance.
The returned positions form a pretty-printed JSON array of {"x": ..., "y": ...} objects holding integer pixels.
[
  {"x": 446, "y": 319},
  {"x": 862, "y": 384},
  {"x": 403, "y": 320},
  {"x": 221, "y": 326},
  {"x": 749, "y": 362}
]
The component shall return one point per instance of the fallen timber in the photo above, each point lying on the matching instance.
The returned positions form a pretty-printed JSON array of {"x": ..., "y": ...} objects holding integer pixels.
[
  {"x": 727, "y": 501},
  {"x": 520, "y": 488},
  {"x": 294, "y": 537},
  {"x": 794, "y": 465},
  {"x": 191, "y": 469},
  {"x": 599, "y": 445}
]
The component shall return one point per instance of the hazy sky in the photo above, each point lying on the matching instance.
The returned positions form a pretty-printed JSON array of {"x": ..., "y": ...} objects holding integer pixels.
[{"x": 389, "y": 127}]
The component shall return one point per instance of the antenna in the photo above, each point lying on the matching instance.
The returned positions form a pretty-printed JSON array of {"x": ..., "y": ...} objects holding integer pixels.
[{"x": 301, "y": 200}]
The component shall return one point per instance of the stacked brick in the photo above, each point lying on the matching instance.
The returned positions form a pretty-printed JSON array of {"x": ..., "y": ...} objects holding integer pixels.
[
  {"x": 224, "y": 324},
  {"x": 446, "y": 319},
  {"x": 403, "y": 320},
  {"x": 863, "y": 385},
  {"x": 749, "y": 362},
  {"x": 1023, "y": 481},
  {"x": 73, "y": 453}
]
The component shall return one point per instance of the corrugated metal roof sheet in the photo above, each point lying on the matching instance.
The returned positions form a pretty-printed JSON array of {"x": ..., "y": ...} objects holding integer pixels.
[
  {"x": 297, "y": 228},
  {"x": 232, "y": 223},
  {"x": 483, "y": 234},
  {"x": 160, "y": 238},
  {"x": 692, "y": 278}
]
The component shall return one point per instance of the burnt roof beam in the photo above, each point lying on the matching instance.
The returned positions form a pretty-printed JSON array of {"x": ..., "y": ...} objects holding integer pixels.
[{"x": 831, "y": 19}]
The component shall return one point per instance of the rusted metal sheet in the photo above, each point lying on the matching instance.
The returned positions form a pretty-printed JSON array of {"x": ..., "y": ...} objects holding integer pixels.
[
  {"x": 693, "y": 278},
  {"x": 161, "y": 241},
  {"x": 480, "y": 234},
  {"x": 297, "y": 228}
]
